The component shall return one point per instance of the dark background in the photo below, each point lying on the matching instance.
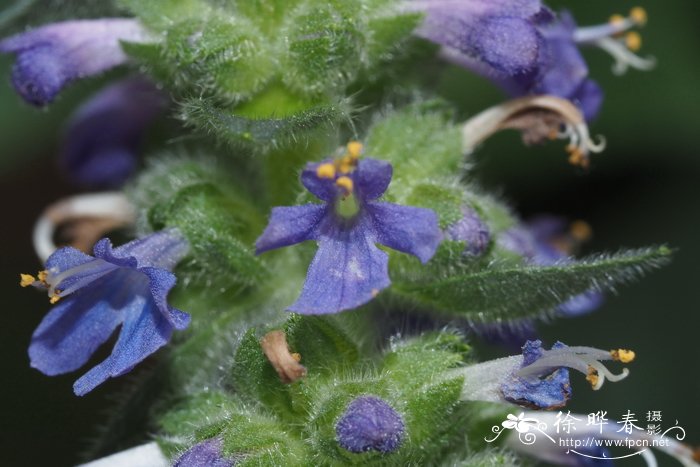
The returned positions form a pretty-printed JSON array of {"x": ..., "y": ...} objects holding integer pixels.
[{"x": 644, "y": 189}]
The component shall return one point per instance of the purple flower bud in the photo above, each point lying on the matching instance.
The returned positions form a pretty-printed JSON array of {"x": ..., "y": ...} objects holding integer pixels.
[
  {"x": 51, "y": 56},
  {"x": 471, "y": 230},
  {"x": 205, "y": 454},
  {"x": 103, "y": 135},
  {"x": 369, "y": 424}
]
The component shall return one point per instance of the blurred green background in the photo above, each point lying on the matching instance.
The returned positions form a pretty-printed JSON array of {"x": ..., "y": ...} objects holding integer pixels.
[{"x": 644, "y": 189}]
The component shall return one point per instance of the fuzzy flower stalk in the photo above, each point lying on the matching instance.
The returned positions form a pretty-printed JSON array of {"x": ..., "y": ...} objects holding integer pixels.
[{"x": 93, "y": 295}]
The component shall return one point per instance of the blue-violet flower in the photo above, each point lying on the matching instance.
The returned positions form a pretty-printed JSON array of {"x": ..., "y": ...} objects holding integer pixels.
[
  {"x": 539, "y": 378},
  {"x": 51, "y": 56},
  {"x": 369, "y": 424},
  {"x": 524, "y": 47},
  {"x": 125, "y": 286},
  {"x": 103, "y": 136},
  {"x": 348, "y": 269}
]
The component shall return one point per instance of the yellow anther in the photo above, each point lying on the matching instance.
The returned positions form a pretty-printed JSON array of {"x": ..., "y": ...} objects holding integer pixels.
[
  {"x": 42, "y": 275},
  {"x": 622, "y": 355},
  {"x": 617, "y": 20},
  {"x": 25, "y": 280},
  {"x": 639, "y": 15},
  {"x": 355, "y": 149},
  {"x": 325, "y": 171},
  {"x": 54, "y": 299},
  {"x": 345, "y": 164},
  {"x": 345, "y": 183},
  {"x": 576, "y": 157},
  {"x": 296, "y": 356},
  {"x": 592, "y": 376},
  {"x": 633, "y": 41},
  {"x": 581, "y": 231}
]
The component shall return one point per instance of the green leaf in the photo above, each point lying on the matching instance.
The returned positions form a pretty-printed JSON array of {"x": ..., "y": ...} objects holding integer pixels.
[{"x": 489, "y": 292}]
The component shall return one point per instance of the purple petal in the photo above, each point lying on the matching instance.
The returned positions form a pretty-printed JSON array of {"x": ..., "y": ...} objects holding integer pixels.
[
  {"x": 103, "y": 136},
  {"x": 52, "y": 56},
  {"x": 72, "y": 331},
  {"x": 372, "y": 178},
  {"x": 589, "y": 98},
  {"x": 143, "y": 331},
  {"x": 162, "y": 249},
  {"x": 407, "y": 229},
  {"x": 370, "y": 424},
  {"x": 290, "y": 225},
  {"x": 548, "y": 392},
  {"x": 323, "y": 188},
  {"x": 347, "y": 271},
  {"x": 506, "y": 41},
  {"x": 581, "y": 304},
  {"x": 66, "y": 258},
  {"x": 205, "y": 454},
  {"x": 161, "y": 282}
]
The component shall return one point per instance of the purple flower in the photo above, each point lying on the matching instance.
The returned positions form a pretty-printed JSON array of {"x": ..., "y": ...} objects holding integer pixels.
[
  {"x": 103, "y": 136},
  {"x": 545, "y": 241},
  {"x": 523, "y": 46},
  {"x": 539, "y": 378},
  {"x": 348, "y": 269},
  {"x": 205, "y": 454},
  {"x": 125, "y": 286},
  {"x": 51, "y": 56},
  {"x": 471, "y": 230},
  {"x": 369, "y": 424}
]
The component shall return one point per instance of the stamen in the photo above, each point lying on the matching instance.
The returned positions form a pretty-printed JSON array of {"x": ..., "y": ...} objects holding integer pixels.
[
  {"x": 583, "y": 359},
  {"x": 639, "y": 15},
  {"x": 55, "y": 297},
  {"x": 42, "y": 275},
  {"x": 355, "y": 149},
  {"x": 633, "y": 41},
  {"x": 89, "y": 272},
  {"x": 622, "y": 355},
  {"x": 345, "y": 183},
  {"x": 538, "y": 118},
  {"x": 624, "y": 58},
  {"x": 26, "y": 280},
  {"x": 581, "y": 231},
  {"x": 326, "y": 171}
]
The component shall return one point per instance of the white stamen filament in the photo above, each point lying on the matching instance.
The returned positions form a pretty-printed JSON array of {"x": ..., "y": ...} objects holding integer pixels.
[
  {"x": 591, "y": 34},
  {"x": 90, "y": 271},
  {"x": 624, "y": 57},
  {"x": 577, "y": 358},
  {"x": 111, "y": 205}
]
